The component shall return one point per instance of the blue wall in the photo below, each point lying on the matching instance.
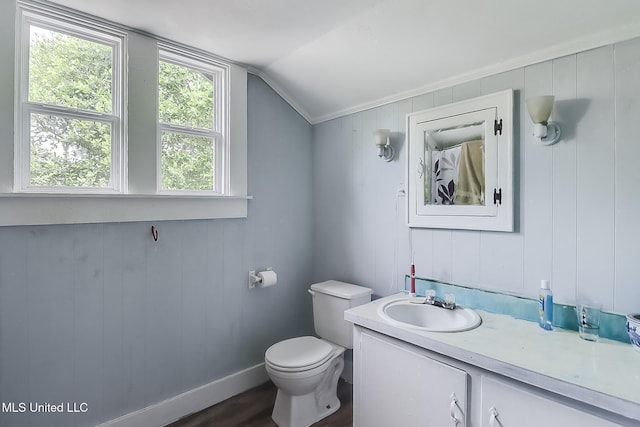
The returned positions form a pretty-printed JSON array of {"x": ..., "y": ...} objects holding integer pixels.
[
  {"x": 576, "y": 204},
  {"x": 100, "y": 313}
]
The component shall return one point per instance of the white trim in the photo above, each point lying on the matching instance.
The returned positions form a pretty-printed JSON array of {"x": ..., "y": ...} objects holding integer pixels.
[
  {"x": 569, "y": 48},
  {"x": 194, "y": 400},
  {"x": 236, "y": 152},
  {"x": 43, "y": 209}
]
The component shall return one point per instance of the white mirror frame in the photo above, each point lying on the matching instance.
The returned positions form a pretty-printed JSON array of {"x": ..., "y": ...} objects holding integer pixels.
[{"x": 498, "y": 160}]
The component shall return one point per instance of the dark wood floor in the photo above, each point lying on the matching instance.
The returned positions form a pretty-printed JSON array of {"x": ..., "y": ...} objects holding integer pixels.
[{"x": 253, "y": 409}]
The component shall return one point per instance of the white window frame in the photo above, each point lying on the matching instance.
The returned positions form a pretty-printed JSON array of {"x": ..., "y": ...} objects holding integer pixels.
[
  {"x": 220, "y": 73},
  {"x": 24, "y": 108},
  {"x": 139, "y": 199}
]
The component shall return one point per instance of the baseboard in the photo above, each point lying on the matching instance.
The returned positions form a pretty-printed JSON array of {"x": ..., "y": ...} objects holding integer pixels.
[{"x": 194, "y": 400}]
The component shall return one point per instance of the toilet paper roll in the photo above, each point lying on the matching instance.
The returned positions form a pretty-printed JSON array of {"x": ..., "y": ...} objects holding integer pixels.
[{"x": 267, "y": 278}]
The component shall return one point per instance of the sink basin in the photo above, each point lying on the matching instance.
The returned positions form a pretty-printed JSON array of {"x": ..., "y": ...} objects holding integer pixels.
[{"x": 428, "y": 317}]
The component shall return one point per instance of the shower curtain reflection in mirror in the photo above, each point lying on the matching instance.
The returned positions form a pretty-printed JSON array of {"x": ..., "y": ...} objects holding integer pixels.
[{"x": 455, "y": 172}]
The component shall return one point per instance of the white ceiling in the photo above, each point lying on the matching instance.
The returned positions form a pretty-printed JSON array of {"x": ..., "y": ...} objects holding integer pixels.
[{"x": 332, "y": 57}]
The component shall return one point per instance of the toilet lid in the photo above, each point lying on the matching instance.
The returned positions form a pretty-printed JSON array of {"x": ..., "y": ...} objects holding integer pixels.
[{"x": 301, "y": 352}]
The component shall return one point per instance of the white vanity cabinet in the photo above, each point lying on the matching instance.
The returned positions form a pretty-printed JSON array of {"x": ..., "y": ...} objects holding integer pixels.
[
  {"x": 505, "y": 405},
  {"x": 396, "y": 385},
  {"x": 400, "y": 384}
]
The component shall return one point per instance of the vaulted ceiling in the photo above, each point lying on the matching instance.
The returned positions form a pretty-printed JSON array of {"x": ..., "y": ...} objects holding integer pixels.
[{"x": 332, "y": 57}]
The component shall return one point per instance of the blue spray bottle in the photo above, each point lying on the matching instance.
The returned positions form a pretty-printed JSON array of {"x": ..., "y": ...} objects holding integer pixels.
[{"x": 546, "y": 306}]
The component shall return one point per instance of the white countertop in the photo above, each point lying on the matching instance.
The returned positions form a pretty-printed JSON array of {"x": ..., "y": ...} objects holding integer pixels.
[{"x": 605, "y": 374}]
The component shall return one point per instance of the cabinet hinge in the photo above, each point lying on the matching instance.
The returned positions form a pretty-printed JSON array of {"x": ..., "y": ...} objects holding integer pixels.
[
  {"x": 497, "y": 196},
  {"x": 497, "y": 127}
]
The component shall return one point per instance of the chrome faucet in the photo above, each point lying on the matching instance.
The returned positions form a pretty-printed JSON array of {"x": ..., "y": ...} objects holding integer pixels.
[{"x": 449, "y": 301}]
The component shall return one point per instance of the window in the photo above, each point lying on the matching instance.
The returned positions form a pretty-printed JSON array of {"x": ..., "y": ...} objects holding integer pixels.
[
  {"x": 70, "y": 134},
  {"x": 191, "y": 112},
  {"x": 101, "y": 135}
]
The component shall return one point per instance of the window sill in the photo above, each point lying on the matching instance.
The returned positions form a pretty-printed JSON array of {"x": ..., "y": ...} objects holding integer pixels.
[{"x": 42, "y": 209}]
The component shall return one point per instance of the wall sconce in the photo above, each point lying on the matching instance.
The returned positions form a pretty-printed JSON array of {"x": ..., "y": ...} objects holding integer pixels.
[
  {"x": 385, "y": 150},
  {"x": 539, "y": 108}
]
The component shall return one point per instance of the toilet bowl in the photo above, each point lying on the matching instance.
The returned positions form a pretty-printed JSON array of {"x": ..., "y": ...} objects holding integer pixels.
[
  {"x": 306, "y": 386},
  {"x": 306, "y": 369}
]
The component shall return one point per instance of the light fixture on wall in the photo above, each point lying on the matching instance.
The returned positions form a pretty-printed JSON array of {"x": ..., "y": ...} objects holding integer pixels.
[
  {"x": 539, "y": 108},
  {"x": 385, "y": 150}
]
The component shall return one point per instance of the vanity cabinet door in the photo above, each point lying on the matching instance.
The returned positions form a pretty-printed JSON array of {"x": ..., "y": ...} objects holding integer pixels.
[
  {"x": 504, "y": 405},
  {"x": 395, "y": 384}
]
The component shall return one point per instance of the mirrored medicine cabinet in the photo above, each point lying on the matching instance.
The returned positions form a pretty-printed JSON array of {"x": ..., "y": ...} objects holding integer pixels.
[{"x": 460, "y": 165}]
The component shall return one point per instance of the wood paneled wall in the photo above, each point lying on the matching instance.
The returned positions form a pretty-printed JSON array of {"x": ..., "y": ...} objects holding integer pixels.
[
  {"x": 577, "y": 202},
  {"x": 103, "y": 314}
]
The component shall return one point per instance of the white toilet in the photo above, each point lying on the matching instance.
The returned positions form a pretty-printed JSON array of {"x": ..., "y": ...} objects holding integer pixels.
[{"x": 306, "y": 369}]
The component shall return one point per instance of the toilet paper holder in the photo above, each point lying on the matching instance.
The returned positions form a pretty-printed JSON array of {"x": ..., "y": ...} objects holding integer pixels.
[{"x": 254, "y": 280}]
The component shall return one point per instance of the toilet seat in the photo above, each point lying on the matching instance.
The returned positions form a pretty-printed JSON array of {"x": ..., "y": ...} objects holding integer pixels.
[{"x": 298, "y": 354}]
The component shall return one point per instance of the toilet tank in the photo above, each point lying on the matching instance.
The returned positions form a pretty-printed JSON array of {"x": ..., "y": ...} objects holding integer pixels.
[{"x": 330, "y": 300}]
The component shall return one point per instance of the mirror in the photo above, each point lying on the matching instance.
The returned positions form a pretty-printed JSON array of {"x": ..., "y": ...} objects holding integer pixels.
[
  {"x": 455, "y": 165},
  {"x": 459, "y": 165}
]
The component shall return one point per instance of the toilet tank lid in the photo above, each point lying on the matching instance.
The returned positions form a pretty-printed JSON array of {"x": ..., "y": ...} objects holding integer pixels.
[{"x": 341, "y": 289}]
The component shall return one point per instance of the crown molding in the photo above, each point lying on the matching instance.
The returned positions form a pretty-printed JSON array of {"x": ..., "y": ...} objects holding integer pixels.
[{"x": 564, "y": 49}]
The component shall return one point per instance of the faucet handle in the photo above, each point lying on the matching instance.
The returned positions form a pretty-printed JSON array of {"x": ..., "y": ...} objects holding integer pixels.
[
  {"x": 430, "y": 294},
  {"x": 449, "y": 299}
]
